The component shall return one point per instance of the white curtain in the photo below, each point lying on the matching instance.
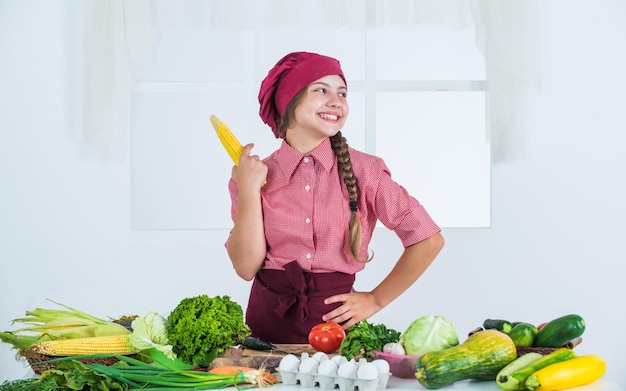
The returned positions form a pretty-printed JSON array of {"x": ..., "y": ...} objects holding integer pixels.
[
  {"x": 118, "y": 34},
  {"x": 508, "y": 36}
]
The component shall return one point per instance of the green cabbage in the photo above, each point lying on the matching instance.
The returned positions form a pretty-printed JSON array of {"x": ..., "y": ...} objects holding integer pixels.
[{"x": 427, "y": 334}]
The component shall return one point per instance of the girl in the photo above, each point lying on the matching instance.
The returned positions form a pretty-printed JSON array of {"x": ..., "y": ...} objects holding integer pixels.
[{"x": 304, "y": 216}]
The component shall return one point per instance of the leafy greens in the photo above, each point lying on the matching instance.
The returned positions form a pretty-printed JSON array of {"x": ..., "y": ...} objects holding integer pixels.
[
  {"x": 201, "y": 327},
  {"x": 364, "y": 337}
]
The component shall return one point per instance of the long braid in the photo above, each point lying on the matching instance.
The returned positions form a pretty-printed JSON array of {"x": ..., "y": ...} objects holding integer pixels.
[{"x": 344, "y": 164}]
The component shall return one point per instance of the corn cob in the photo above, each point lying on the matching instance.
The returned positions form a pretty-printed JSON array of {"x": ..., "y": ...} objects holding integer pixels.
[
  {"x": 110, "y": 344},
  {"x": 228, "y": 139}
]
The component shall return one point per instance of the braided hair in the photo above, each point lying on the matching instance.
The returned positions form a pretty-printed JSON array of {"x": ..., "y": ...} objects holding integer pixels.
[{"x": 339, "y": 145}]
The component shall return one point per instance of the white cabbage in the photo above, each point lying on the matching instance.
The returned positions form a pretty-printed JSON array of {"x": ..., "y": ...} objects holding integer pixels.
[{"x": 429, "y": 333}]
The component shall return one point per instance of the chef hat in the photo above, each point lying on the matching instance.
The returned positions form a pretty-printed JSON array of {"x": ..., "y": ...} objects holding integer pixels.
[{"x": 290, "y": 75}]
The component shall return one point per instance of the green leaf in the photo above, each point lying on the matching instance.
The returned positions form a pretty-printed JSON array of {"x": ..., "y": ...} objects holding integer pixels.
[{"x": 77, "y": 376}]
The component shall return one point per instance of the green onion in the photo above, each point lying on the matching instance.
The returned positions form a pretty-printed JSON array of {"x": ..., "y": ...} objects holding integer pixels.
[{"x": 138, "y": 375}]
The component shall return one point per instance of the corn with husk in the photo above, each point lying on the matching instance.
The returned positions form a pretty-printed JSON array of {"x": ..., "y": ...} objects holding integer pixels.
[{"x": 42, "y": 325}]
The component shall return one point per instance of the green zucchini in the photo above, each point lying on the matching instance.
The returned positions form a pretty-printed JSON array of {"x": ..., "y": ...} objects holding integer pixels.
[
  {"x": 480, "y": 357},
  {"x": 515, "y": 380},
  {"x": 497, "y": 324},
  {"x": 560, "y": 331},
  {"x": 514, "y": 366},
  {"x": 523, "y": 334}
]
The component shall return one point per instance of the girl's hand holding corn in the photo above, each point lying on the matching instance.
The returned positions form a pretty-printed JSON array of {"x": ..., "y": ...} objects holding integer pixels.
[{"x": 251, "y": 172}]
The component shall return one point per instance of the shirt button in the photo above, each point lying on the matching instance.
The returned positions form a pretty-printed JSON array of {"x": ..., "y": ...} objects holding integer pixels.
[
  {"x": 306, "y": 159},
  {"x": 308, "y": 220},
  {"x": 307, "y": 187},
  {"x": 308, "y": 256}
]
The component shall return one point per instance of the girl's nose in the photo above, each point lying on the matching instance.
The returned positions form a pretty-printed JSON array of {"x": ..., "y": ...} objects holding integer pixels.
[{"x": 335, "y": 103}]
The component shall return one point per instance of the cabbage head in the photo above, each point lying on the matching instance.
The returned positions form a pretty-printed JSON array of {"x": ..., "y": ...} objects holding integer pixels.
[
  {"x": 149, "y": 331},
  {"x": 429, "y": 333}
]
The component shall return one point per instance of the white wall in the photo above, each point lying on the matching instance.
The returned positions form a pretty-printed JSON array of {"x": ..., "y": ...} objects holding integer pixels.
[{"x": 555, "y": 245}]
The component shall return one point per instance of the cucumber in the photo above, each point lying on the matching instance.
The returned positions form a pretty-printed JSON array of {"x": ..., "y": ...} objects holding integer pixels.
[
  {"x": 523, "y": 334},
  {"x": 498, "y": 324},
  {"x": 516, "y": 380},
  {"x": 560, "y": 331},
  {"x": 514, "y": 366}
]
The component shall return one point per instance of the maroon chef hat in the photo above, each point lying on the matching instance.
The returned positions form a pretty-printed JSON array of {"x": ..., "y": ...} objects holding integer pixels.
[{"x": 290, "y": 75}]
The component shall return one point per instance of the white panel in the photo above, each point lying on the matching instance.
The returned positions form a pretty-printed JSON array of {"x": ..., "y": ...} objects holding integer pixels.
[
  {"x": 179, "y": 168},
  {"x": 435, "y": 145},
  {"x": 427, "y": 54},
  {"x": 196, "y": 55}
]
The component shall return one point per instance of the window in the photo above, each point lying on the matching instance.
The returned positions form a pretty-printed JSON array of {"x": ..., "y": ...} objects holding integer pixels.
[{"x": 417, "y": 100}]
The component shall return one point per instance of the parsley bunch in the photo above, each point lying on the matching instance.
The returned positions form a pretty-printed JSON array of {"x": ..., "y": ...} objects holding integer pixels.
[
  {"x": 364, "y": 337},
  {"x": 201, "y": 327}
]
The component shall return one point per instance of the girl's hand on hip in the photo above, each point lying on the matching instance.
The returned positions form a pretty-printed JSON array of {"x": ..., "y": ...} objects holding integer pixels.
[
  {"x": 356, "y": 307},
  {"x": 251, "y": 172}
]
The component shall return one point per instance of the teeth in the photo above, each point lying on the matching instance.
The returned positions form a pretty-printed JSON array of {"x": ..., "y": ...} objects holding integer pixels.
[{"x": 329, "y": 116}]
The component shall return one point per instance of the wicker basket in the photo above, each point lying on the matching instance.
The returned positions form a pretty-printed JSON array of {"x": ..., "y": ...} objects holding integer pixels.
[
  {"x": 538, "y": 349},
  {"x": 37, "y": 361}
]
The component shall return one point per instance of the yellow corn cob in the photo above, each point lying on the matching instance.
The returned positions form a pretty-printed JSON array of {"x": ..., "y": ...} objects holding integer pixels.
[
  {"x": 228, "y": 139},
  {"x": 110, "y": 344}
]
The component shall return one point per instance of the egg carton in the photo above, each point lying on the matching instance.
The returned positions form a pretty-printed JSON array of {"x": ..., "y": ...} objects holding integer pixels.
[
  {"x": 325, "y": 382},
  {"x": 334, "y": 372}
]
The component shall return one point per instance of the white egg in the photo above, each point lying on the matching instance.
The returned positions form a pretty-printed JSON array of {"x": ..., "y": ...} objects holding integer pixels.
[
  {"x": 367, "y": 371},
  {"x": 308, "y": 365},
  {"x": 347, "y": 369},
  {"x": 327, "y": 368},
  {"x": 320, "y": 356},
  {"x": 339, "y": 360},
  {"x": 381, "y": 365},
  {"x": 289, "y": 363}
]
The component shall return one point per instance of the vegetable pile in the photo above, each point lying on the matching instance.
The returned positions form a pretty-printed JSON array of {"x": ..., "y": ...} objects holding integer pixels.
[
  {"x": 153, "y": 352},
  {"x": 502, "y": 351},
  {"x": 136, "y": 352},
  {"x": 553, "y": 334}
]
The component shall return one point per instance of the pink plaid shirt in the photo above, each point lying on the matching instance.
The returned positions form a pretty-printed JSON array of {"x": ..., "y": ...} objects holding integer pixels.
[{"x": 306, "y": 209}]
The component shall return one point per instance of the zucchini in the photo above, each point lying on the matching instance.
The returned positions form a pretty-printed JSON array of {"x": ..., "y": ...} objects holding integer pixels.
[
  {"x": 514, "y": 366},
  {"x": 560, "y": 331},
  {"x": 497, "y": 324},
  {"x": 480, "y": 357},
  {"x": 523, "y": 334},
  {"x": 517, "y": 379},
  {"x": 568, "y": 374}
]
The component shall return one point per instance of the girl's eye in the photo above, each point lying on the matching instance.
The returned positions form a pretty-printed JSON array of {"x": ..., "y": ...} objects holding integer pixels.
[
  {"x": 321, "y": 89},
  {"x": 343, "y": 94}
]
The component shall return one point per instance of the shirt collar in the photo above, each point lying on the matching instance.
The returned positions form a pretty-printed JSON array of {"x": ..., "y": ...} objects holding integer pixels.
[{"x": 290, "y": 157}]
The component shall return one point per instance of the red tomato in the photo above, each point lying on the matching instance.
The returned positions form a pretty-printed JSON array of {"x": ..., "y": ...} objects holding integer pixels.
[
  {"x": 541, "y": 325},
  {"x": 326, "y": 337}
]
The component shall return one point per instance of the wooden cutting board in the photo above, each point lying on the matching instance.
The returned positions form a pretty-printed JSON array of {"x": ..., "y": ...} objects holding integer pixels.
[{"x": 240, "y": 356}]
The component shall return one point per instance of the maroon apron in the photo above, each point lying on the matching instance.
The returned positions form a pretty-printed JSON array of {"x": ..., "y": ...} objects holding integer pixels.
[{"x": 285, "y": 304}]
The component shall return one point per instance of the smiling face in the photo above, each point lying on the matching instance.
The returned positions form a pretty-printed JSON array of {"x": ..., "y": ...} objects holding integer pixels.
[{"x": 321, "y": 113}]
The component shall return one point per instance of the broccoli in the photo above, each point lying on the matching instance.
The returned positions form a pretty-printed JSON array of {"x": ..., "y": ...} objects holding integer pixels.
[{"x": 201, "y": 327}]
